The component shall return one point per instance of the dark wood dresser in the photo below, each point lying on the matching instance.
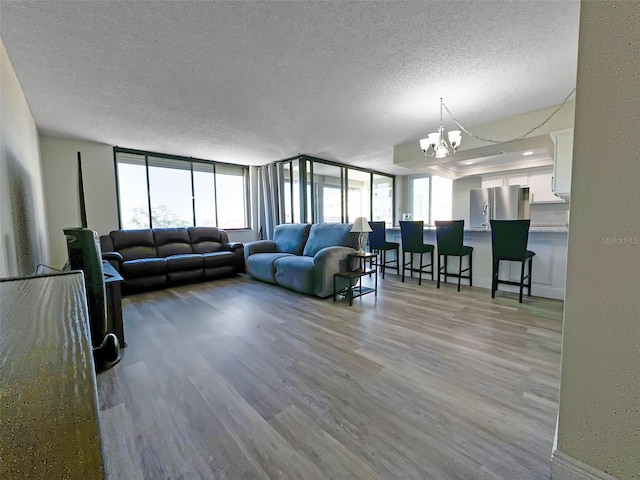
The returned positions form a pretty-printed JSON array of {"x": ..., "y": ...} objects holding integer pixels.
[{"x": 48, "y": 398}]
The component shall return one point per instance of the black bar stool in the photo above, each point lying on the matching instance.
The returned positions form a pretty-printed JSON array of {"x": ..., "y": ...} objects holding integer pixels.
[
  {"x": 509, "y": 242},
  {"x": 412, "y": 242},
  {"x": 449, "y": 235},
  {"x": 378, "y": 242}
]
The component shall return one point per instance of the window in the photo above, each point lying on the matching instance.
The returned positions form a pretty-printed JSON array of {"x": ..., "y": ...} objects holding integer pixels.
[
  {"x": 134, "y": 202},
  {"x": 231, "y": 187},
  {"x": 420, "y": 199},
  {"x": 328, "y": 180},
  {"x": 382, "y": 206},
  {"x": 359, "y": 195},
  {"x": 157, "y": 190},
  {"x": 431, "y": 198},
  {"x": 333, "y": 193},
  {"x": 441, "y": 198},
  {"x": 204, "y": 198},
  {"x": 170, "y": 189}
]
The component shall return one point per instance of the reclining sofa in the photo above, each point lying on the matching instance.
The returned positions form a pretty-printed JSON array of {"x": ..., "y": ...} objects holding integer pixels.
[
  {"x": 156, "y": 258},
  {"x": 303, "y": 257}
]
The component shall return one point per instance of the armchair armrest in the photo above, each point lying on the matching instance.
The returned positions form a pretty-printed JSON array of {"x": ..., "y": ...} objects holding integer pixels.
[
  {"x": 112, "y": 256},
  {"x": 259, "y": 246}
]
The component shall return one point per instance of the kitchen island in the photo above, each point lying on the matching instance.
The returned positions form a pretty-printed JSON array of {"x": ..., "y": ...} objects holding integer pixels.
[{"x": 549, "y": 265}]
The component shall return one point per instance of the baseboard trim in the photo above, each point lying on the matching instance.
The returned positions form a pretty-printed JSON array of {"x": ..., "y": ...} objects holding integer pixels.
[{"x": 565, "y": 467}]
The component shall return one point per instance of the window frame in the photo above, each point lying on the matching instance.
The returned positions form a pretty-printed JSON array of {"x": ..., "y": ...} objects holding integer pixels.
[
  {"x": 190, "y": 161},
  {"x": 306, "y": 177}
]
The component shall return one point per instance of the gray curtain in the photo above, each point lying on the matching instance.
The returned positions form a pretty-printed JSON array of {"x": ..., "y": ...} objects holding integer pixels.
[{"x": 270, "y": 201}]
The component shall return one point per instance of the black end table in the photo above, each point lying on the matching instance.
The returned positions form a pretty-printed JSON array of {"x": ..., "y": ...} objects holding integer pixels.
[{"x": 355, "y": 289}]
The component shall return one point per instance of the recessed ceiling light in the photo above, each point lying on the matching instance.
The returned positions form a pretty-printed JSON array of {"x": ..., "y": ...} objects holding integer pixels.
[
  {"x": 526, "y": 154},
  {"x": 470, "y": 162}
]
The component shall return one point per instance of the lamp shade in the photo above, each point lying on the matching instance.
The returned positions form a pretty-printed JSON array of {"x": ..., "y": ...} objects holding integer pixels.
[
  {"x": 455, "y": 137},
  {"x": 361, "y": 225}
]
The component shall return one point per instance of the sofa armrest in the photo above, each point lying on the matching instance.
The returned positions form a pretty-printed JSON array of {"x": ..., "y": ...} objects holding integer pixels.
[
  {"x": 115, "y": 259},
  {"x": 259, "y": 246},
  {"x": 232, "y": 246},
  {"x": 327, "y": 262},
  {"x": 237, "y": 248},
  {"x": 112, "y": 256}
]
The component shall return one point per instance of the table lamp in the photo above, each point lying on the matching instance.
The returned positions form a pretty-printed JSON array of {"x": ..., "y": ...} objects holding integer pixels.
[{"x": 362, "y": 228}]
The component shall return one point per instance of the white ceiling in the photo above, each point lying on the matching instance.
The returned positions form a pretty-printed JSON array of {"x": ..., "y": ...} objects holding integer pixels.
[{"x": 251, "y": 82}]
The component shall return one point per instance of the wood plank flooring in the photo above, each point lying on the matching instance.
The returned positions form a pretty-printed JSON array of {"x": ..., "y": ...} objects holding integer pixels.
[{"x": 238, "y": 379}]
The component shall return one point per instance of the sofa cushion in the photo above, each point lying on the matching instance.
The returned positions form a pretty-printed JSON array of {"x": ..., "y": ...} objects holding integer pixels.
[
  {"x": 178, "y": 263},
  {"x": 291, "y": 237},
  {"x": 206, "y": 239},
  {"x": 134, "y": 244},
  {"x": 172, "y": 241},
  {"x": 216, "y": 272},
  {"x": 219, "y": 259},
  {"x": 145, "y": 283},
  {"x": 324, "y": 235},
  {"x": 297, "y": 273},
  {"x": 184, "y": 276},
  {"x": 260, "y": 265},
  {"x": 143, "y": 267}
]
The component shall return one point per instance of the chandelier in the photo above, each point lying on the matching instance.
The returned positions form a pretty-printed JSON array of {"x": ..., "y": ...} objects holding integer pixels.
[{"x": 435, "y": 143}]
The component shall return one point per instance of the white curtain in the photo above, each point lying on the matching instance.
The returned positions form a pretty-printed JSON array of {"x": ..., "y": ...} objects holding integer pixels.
[{"x": 270, "y": 199}]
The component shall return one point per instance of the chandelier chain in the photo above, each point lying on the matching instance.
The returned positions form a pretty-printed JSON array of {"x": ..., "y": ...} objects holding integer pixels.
[{"x": 513, "y": 139}]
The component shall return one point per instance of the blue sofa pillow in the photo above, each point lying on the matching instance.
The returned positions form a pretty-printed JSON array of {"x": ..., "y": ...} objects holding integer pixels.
[
  {"x": 291, "y": 237},
  {"x": 324, "y": 235}
]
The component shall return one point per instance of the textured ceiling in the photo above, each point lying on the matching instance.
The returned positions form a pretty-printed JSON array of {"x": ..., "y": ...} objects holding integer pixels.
[{"x": 251, "y": 82}]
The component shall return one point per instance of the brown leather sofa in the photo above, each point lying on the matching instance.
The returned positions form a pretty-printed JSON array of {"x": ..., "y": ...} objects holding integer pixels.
[{"x": 156, "y": 258}]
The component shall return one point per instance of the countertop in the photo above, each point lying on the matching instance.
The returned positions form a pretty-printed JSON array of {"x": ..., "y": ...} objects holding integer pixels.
[{"x": 532, "y": 229}]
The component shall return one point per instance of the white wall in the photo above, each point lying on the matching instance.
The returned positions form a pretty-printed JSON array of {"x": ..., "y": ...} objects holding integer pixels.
[
  {"x": 460, "y": 200},
  {"x": 23, "y": 230},
  {"x": 59, "y": 167},
  {"x": 599, "y": 422}
]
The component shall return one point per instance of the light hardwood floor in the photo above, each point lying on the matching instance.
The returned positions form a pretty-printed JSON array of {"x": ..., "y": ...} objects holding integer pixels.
[{"x": 238, "y": 379}]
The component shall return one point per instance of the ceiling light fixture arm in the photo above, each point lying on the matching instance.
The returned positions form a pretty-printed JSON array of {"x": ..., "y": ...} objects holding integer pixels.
[
  {"x": 436, "y": 145},
  {"x": 519, "y": 137}
]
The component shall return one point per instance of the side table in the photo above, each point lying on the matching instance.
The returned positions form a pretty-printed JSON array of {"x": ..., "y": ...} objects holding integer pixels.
[{"x": 354, "y": 290}]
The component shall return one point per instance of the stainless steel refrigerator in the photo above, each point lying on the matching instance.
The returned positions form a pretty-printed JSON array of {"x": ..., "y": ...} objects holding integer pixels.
[{"x": 498, "y": 203}]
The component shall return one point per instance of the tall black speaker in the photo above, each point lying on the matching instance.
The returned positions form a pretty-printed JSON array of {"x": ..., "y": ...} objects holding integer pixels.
[{"x": 83, "y": 246}]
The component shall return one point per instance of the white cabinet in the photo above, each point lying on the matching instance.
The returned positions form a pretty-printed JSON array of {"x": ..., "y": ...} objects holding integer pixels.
[
  {"x": 539, "y": 181},
  {"x": 490, "y": 181},
  {"x": 563, "y": 160},
  {"x": 541, "y": 187},
  {"x": 518, "y": 179}
]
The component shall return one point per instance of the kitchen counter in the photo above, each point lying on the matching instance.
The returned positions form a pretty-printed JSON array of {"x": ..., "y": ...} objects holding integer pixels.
[
  {"x": 532, "y": 229},
  {"x": 549, "y": 265}
]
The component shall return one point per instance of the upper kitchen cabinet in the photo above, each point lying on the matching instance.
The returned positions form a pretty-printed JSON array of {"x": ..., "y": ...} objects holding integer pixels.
[
  {"x": 563, "y": 160},
  {"x": 491, "y": 181},
  {"x": 539, "y": 181},
  {"x": 541, "y": 184}
]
